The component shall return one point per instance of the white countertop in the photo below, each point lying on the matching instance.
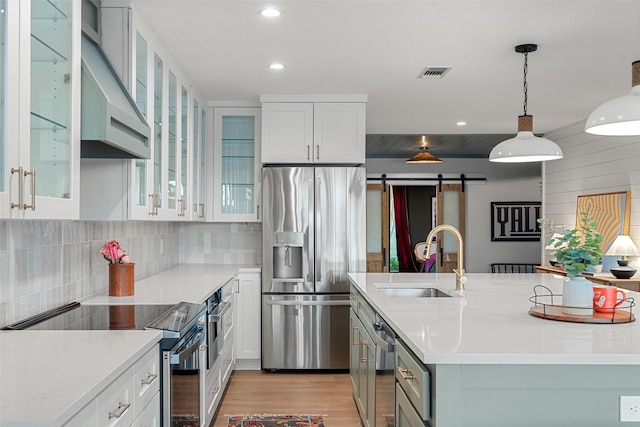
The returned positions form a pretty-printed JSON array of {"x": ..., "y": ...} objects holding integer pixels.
[
  {"x": 48, "y": 376},
  {"x": 488, "y": 323},
  {"x": 186, "y": 282}
]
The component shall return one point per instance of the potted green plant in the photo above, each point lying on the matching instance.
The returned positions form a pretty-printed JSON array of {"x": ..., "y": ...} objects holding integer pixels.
[{"x": 577, "y": 250}]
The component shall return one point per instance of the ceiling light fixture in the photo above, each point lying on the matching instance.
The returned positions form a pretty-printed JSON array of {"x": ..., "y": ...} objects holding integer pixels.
[
  {"x": 423, "y": 156},
  {"x": 619, "y": 116},
  {"x": 270, "y": 12},
  {"x": 525, "y": 146},
  {"x": 461, "y": 123},
  {"x": 276, "y": 66}
]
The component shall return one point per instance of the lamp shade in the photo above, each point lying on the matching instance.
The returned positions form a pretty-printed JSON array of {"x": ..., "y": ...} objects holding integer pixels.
[
  {"x": 423, "y": 157},
  {"x": 620, "y": 116},
  {"x": 525, "y": 147},
  {"x": 623, "y": 246}
]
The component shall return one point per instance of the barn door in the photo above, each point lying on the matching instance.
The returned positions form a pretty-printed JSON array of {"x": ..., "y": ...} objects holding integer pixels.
[
  {"x": 451, "y": 211},
  {"x": 377, "y": 228}
]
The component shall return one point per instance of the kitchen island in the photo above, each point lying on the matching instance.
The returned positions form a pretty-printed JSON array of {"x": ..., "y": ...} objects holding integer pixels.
[{"x": 492, "y": 364}]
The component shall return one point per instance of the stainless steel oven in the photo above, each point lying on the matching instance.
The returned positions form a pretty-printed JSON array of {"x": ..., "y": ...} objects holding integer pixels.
[
  {"x": 216, "y": 308},
  {"x": 184, "y": 363}
]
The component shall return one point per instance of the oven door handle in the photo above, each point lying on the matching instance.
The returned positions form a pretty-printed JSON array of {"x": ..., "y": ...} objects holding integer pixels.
[
  {"x": 177, "y": 358},
  {"x": 219, "y": 311}
]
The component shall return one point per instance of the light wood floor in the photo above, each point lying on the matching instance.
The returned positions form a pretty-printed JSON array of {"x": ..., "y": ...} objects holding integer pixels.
[{"x": 256, "y": 392}]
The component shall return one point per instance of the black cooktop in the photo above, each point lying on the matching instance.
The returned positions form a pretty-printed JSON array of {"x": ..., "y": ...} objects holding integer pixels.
[{"x": 76, "y": 316}]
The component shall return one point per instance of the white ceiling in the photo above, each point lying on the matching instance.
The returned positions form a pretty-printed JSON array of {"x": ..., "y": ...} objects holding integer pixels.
[{"x": 379, "y": 47}]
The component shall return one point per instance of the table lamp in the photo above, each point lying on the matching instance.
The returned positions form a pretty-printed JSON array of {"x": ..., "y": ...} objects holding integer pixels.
[{"x": 624, "y": 247}]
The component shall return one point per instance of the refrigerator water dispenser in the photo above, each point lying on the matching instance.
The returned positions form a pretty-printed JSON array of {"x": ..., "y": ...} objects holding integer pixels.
[{"x": 287, "y": 255}]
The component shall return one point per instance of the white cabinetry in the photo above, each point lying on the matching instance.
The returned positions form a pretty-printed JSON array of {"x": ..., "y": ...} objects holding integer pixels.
[
  {"x": 236, "y": 164},
  {"x": 171, "y": 184},
  {"x": 40, "y": 115},
  {"x": 248, "y": 319},
  {"x": 218, "y": 375},
  {"x": 313, "y": 129},
  {"x": 132, "y": 399}
]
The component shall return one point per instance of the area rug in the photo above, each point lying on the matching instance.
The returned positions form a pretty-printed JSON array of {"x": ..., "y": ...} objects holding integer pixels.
[{"x": 276, "y": 420}]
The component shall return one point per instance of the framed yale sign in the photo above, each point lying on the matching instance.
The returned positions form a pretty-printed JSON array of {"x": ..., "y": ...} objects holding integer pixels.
[{"x": 515, "y": 221}]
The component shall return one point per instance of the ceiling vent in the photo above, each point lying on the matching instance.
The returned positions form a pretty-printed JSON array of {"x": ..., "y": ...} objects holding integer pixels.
[{"x": 433, "y": 72}]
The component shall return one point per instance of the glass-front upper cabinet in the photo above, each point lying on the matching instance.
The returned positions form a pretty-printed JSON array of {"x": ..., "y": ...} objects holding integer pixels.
[
  {"x": 184, "y": 150},
  {"x": 199, "y": 159},
  {"x": 236, "y": 168},
  {"x": 142, "y": 201},
  {"x": 40, "y": 109}
]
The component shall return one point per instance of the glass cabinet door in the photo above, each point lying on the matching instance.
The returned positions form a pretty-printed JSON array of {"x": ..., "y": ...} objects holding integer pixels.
[
  {"x": 236, "y": 164},
  {"x": 172, "y": 176},
  {"x": 183, "y": 193},
  {"x": 158, "y": 86},
  {"x": 50, "y": 151},
  {"x": 142, "y": 199}
]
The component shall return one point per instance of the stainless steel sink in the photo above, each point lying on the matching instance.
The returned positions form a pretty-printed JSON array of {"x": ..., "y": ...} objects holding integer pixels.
[{"x": 414, "y": 292}]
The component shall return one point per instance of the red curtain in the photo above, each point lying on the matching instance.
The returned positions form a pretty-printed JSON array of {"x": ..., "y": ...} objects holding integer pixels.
[{"x": 403, "y": 235}]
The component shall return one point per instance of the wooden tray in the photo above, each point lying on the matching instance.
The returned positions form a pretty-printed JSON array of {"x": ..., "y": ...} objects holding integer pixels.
[{"x": 554, "y": 312}]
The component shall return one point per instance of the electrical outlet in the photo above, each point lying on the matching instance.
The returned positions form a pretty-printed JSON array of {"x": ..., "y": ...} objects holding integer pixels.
[{"x": 629, "y": 408}]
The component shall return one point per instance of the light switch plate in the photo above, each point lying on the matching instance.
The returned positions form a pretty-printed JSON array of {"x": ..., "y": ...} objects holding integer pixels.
[{"x": 629, "y": 408}]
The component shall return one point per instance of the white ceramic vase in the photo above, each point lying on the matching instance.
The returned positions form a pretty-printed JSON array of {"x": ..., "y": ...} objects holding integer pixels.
[{"x": 577, "y": 296}]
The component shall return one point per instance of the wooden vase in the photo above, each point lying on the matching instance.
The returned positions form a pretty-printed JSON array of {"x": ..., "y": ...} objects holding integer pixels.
[{"x": 121, "y": 279}]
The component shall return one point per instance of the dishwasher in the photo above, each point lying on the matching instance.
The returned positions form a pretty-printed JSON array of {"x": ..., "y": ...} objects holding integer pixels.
[{"x": 385, "y": 373}]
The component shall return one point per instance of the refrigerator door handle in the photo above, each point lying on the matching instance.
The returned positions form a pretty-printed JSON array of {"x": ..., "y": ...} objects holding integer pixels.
[
  {"x": 293, "y": 302},
  {"x": 319, "y": 233}
]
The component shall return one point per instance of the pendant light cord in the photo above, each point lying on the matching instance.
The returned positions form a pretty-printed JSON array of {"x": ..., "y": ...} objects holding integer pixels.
[{"x": 524, "y": 88}]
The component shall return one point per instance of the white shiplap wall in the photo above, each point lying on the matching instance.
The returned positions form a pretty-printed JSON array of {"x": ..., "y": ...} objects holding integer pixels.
[{"x": 592, "y": 164}]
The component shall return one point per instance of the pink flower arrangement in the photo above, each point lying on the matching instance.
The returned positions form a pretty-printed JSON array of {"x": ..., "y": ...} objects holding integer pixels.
[{"x": 114, "y": 254}]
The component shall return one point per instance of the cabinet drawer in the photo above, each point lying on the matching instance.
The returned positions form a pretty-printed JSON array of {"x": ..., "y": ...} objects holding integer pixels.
[
  {"x": 406, "y": 415},
  {"x": 353, "y": 299},
  {"x": 227, "y": 324},
  {"x": 213, "y": 393},
  {"x": 413, "y": 377},
  {"x": 147, "y": 378},
  {"x": 116, "y": 402},
  {"x": 227, "y": 363},
  {"x": 150, "y": 416},
  {"x": 365, "y": 313},
  {"x": 87, "y": 417}
]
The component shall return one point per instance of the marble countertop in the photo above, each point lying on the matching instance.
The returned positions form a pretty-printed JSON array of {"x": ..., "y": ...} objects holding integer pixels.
[
  {"x": 488, "y": 323},
  {"x": 48, "y": 376},
  {"x": 186, "y": 282}
]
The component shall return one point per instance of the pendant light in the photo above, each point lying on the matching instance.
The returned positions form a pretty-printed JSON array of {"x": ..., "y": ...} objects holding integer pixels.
[
  {"x": 620, "y": 116},
  {"x": 525, "y": 146},
  {"x": 423, "y": 156}
]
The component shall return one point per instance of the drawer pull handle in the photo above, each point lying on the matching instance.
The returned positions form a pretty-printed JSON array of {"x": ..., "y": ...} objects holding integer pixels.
[
  {"x": 406, "y": 374},
  {"x": 150, "y": 378},
  {"x": 228, "y": 362},
  {"x": 362, "y": 358},
  {"x": 352, "y": 297},
  {"x": 215, "y": 390},
  {"x": 122, "y": 408}
]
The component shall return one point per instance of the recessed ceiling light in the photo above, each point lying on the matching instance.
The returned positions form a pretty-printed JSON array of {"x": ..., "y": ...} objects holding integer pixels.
[
  {"x": 276, "y": 66},
  {"x": 270, "y": 12},
  {"x": 461, "y": 123}
]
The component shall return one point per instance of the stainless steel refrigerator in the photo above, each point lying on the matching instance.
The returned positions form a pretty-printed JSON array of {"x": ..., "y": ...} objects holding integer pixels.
[{"x": 313, "y": 228}]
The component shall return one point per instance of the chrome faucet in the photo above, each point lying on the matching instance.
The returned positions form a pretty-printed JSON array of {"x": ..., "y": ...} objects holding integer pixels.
[{"x": 461, "y": 279}]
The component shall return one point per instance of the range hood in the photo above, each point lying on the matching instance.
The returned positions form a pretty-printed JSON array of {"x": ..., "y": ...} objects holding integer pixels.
[{"x": 111, "y": 124}]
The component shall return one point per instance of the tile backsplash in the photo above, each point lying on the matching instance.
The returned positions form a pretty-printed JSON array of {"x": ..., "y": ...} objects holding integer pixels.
[{"x": 44, "y": 264}]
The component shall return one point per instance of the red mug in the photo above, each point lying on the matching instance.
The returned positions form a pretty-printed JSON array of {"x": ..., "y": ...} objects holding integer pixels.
[{"x": 607, "y": 298}]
